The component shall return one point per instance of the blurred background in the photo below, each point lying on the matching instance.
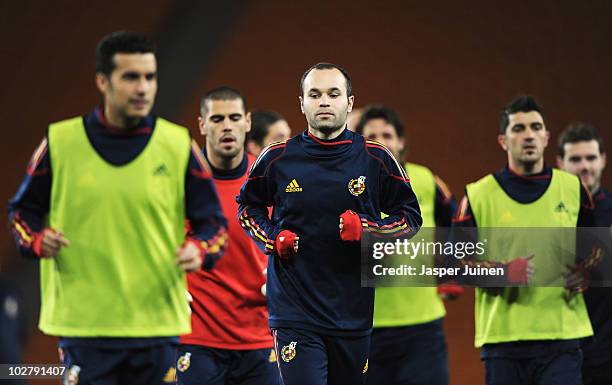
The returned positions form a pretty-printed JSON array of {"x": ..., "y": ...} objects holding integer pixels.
[{"x": 447, "y": 67}]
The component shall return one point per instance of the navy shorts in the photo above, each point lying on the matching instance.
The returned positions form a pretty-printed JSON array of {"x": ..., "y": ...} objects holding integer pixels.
[
  {"x": 203, "y": 365},
  {"x": 597, "y": 367},
  {"x": 561, "y": 367},
  {"x": 88, "y": 365},
  {"x": 309, "y": 358},
  {"x": 409, "y": 355}
]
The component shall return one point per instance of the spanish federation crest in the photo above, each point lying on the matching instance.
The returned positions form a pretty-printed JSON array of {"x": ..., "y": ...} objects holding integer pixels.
[
  {"x": 288, "y": 352},
  {"x": 184, "y": 362},
  {"x": 357, "y": 186}
]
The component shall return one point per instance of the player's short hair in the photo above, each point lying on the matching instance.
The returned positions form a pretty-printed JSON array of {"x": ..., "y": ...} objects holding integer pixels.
[
  {"x": 380, "y": 112},
  {"x": 579, "y": 132},
  {"x": 221, "y": 93},
  {"x": 261, "y": 120},
  {"x": 521, "y": 103},
  {"x": 329, "y": 66},
  {"x": 120, "y": 42}
]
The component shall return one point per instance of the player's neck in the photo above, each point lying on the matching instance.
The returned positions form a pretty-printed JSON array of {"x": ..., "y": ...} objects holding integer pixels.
[
  {"x": 221, "y": 163},
  {"x": 524, "y": 168},
  {"x": 325, "y": 135},
  {"x": 117, "y": 121}
]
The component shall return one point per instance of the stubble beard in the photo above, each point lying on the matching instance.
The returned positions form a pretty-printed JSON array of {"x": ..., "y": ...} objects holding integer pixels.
[
  {"x": 529, "y": 163},
  {"x": 327, "y": 127}
]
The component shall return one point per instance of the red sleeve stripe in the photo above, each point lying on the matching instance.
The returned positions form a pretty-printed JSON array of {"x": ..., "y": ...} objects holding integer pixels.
[
  {"x": 590, "y": 203},
  {"x": 446, "y": 192},
  {"x": 400, "y": 170},
  {"x": 407, "y": 230},
  {"x": 387, "y": 226},
  {"x": 217, "y": 243},
  {"x": 462, "y": 219},
  {"x": 204, "y": 172},
  {"x": 249, "y": 224},
  {"x": 461, "y": 215},
  {"x": 271, "y": 146},
  {"x": 37, "y": 157},
  {"x": 22, "y": 230},
  {"x": 390, "y": 228}
]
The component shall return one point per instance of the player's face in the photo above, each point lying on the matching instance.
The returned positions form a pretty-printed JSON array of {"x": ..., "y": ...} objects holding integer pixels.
[
  {"x": 277, "y": 132},
  {"x": 583, "y": 159},
  {"x": 325, "y": 102},
  {"x": 225, "y": 126},
  {"x": 526, "y": 137},
  {"x": 130, "y": 91},
  {"x": 381, "y": 131}
]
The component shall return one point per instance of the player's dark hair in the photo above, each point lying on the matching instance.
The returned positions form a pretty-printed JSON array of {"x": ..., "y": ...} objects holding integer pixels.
[
  {"x": 221, "y": 93},
  {"x": 522, "y": 103},
  {"x": 380, "y": 112},
  {"x": 120, "y": 42},
  {"x": 261, "y": 120},
  {"x": 329, "y": 66},
  {"x": 579, "y": 132}
]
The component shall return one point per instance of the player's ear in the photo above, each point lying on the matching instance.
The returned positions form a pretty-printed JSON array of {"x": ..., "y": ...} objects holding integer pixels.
[
  {"x": 301, "y": 104},
  {"x": 201, "y": 126},
  {"x": 351, "y": 101},
  {"x": 501, "y": 139},
  {"x": 102, "y": 83},
  {"x": 402, "y": 144},
  {"x": 546, "y": 137},
  {"x": 603, "y": 160},
  {"x": 559, "y": 162},
  {"x": 247, "y": 118}
]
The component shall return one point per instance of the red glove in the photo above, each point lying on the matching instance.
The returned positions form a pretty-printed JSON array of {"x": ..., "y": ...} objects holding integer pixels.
[
  {"x": 48, "y": 242},
  {"x": 519, "y": 270},
  {"x": 37, "y": 244},
  {"x": 577, "y": 280},
  {"x": 450, "y": 290},
  {"x": 350, "y": 226},
  {"x": 285, "y": 243}
]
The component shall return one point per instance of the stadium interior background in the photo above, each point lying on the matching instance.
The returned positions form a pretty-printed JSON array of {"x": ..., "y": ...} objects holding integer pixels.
[{"x": 447, "y": 67}]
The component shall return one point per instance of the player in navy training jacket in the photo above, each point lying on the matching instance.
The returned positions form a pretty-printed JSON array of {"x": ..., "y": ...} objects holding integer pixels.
[
  {"x": 326, "y": 186},
  {"x": 581, "y": 152}
]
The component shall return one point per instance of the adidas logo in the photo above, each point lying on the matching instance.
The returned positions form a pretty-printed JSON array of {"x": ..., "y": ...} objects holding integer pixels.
[
  {"x": 161, "y": 170},
  {"x": 561, "y": 208},
  {"x": 293, "y": 187}
]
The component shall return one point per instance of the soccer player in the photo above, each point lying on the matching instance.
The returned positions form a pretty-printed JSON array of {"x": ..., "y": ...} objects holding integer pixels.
[
  {"x": 528, "y": 335},
  {"x": 103, "y": 207},
  {"x": 230, "y": 342},
  {"x": 581, "y": 152},
  {"x": 325, "y": 179},
  {"x": 266, "y": 127},
  {"x": 408, "y": 345}
]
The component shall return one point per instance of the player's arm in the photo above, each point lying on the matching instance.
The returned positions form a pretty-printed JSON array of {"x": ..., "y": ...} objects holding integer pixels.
[
  {"x": 464, "y": 229},
  {"x": 589, "y": 251},
  {"x": 207, "y": 236},
  {"x": 256, "y": 195},
  {"x": 445, "y": 204},
  {"x": 398, "y": 201},
  {"x": 29, "y": 207}
]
